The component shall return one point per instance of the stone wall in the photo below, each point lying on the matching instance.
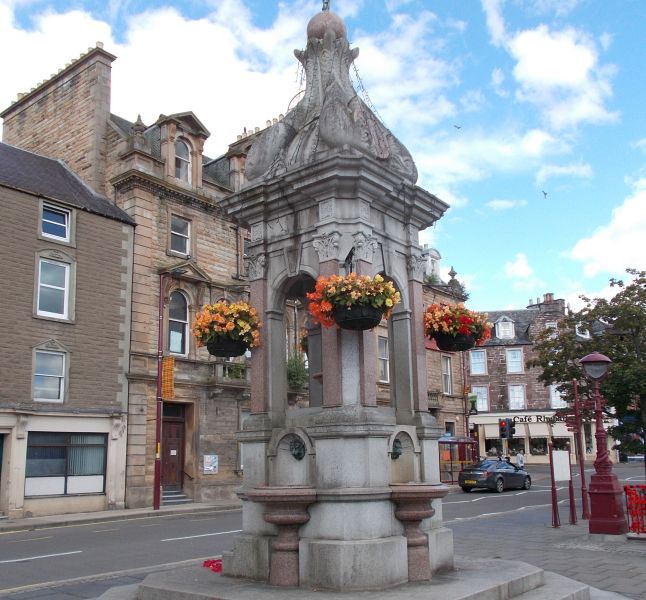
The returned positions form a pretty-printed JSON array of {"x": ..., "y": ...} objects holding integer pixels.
[{"x": 66, "y": 117}]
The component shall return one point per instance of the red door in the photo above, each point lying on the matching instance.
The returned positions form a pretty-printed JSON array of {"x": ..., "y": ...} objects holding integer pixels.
[{"x": 172, "y": 460}]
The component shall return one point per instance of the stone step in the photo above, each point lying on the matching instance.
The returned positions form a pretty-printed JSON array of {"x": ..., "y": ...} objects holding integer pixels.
[{"x": 557, "y": 587}]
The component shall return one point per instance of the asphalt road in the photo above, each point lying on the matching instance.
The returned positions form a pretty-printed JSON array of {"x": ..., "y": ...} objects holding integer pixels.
[{"x": 82, "y": 561}]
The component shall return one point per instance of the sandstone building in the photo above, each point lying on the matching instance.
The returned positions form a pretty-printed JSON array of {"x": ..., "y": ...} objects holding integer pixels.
[{"x": 66, "y": 320}]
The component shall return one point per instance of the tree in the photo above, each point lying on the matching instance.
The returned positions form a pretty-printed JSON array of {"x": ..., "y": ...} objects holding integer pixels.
[{"x": 616, "y": 328}]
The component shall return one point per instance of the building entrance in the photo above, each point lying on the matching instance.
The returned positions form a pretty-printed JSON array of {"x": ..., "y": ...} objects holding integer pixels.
[{"x": 172, "y": 447}]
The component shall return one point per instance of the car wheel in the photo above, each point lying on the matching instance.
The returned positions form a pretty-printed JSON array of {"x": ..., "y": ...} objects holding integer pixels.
[
  {"x": 527, "y": 483},
  {"x": 466, "y": 490},
  {"x": 500, "y": 485}
]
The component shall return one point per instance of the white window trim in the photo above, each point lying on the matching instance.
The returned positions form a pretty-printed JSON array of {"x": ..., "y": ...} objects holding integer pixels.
[
  {"x": 189, "y": 161},
  {"x": 187, "y": 238},
  {"x": 62, "y": 378},
  {"x": 556, "y": 398},
  {"x": 383, "y": 360},
  {"x": 66, "y": 290},
  {"x": 524, "y": 397},
  {"x": 500, "y": 334},
  {"x": 482, "y": 352},
  {"x": 185, "y": 324},
  {"x": 480, "y": 406},
  {"x": 508, "y": 351},
  {"x": 68, "y": 222},
  {"x": 447, "y": 376}
]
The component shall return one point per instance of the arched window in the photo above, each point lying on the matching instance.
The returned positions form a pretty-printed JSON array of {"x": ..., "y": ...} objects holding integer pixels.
[
  {"x": 182, "y": 161},
  {"x": 178, "y": 324}
]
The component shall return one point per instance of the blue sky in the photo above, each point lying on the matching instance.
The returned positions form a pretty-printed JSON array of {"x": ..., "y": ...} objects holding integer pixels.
[{"x": 498, "y": 101}]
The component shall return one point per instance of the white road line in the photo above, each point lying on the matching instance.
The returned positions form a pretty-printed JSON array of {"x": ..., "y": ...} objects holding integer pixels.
[
  {"x": 637, "y": 478},
  {"x": 17, "y": 560},
  {"x": 103, "y": 530},
  {"x": 463, "y": 501},
  {"x": 46, "y": 537},
  {"x": 190, "y": 537}
]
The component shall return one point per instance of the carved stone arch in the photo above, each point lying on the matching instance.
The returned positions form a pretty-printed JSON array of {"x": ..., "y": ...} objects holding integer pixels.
[{"x": 291, "y": 455}]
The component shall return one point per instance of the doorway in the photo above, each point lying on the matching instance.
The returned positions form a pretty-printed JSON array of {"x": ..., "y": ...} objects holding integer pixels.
[{"x": 172, "y": 446}]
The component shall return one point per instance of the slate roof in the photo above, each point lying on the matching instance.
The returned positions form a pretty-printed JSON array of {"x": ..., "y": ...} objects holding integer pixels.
[
  {"x": 53, "y": 179},
  {"x": 522, "y": 320}
]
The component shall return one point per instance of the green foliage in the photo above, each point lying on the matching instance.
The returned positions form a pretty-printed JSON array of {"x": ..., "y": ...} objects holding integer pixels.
[
  {"x": 618, "y": 330},
  {"x": 296, "y": 372}
]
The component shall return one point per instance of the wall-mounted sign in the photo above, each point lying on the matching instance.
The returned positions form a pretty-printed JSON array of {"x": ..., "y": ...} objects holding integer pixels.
[{"x": 210, "y": 463}]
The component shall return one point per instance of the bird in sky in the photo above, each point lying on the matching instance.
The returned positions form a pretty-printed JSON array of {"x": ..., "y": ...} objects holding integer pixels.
[
  {"x": 458, "y": 126},
  {"x": 544, "y": 194}
]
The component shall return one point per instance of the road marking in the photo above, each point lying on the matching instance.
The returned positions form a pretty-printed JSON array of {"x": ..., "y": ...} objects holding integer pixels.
[
  {"x": 190, "y": 537},
  {"x": 104, "y": 530},
  {"x": 636, "y": 478},
  {"x": 463, "y": 501},
  {"x": 150, "y": 525},
  {"x": 46, "y": 537},
  {"x": 520, "y": 493},
  {"x": 497, "y": 514},
  {"x": 17, "y": 560}
]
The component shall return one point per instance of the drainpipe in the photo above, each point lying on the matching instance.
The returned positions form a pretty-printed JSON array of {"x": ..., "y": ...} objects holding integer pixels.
[{"x": 159, "y": 400}]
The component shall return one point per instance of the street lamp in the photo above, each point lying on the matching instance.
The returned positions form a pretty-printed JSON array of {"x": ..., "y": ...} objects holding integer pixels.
[{"x": 606, "y": 501}]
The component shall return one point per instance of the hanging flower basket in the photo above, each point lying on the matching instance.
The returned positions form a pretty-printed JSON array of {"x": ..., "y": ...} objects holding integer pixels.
[
  {"x": 357, "y": 302},
  {"x": 227, "y": 328},
  {"x": 454, "y": 343},
  {"x": 226, "y": 347},
  {"x": 455, "y": 328},
  {"x": 358, "y": 317}
]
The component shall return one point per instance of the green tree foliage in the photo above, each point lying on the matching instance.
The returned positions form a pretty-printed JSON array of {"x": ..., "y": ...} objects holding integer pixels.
[
  {"x": 616, "y": 328},
  {"x": 296, "y": 372}
]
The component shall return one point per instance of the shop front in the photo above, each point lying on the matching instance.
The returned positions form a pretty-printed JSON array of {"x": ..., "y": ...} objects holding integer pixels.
[{"x": 533, "y": 432}]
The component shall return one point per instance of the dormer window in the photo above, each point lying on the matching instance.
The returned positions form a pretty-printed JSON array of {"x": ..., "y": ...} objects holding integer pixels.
[
  {"x": 505, "y": 329},
  {"x": 182, "y": 161}
]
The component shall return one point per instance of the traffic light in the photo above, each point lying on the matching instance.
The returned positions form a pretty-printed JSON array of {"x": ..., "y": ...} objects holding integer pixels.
[
  {"x": 503, "y": 428},
  {"x": 511, "y": 428}
]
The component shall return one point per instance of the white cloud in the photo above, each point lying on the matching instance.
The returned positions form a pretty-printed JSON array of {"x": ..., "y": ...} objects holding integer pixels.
[
  {"x": 495, "y": 21},
  {"x": 497, "y": 79},
  {"x": 519, "y": 267},
  {"x": 505, "y": 204},
  {"x": 620, "y": 244},
  {"x": 581, "y": 171}
]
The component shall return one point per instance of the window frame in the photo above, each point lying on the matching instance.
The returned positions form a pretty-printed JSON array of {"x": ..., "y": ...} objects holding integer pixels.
[
  {"x": 67, "y": 444},
  {"x": 173, "y": 234},
  {"x": 65, "y": 315},
  {"x": 185, "y": 324},
  {"x": 554, "y": 394},
  {"x": 508, "y": 363},
  {"x": 472, "y": 353},
  {"x": 507, "y": 332},
  {"x": 67, "y": 239},
  {"x": 185, "y": 162},
  {"x": 510, "y": 396},
  {"x": 480, "y": 406},
  {"x": 62, "y": 385},
  {"x": 383, "y": 360},
  {"x": 447, "y": 375}
]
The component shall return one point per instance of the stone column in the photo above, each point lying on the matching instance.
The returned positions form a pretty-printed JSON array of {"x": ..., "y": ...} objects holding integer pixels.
[
  {"x": 259, "y": 356},
  {"x": 416, "y": 265}
]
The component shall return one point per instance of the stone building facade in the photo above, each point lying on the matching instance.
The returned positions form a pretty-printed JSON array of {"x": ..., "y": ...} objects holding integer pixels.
[
  {"x": 186, "y": 252},
  {"x": 66, "y": 318},
  {"x": 504, "y": 386}
]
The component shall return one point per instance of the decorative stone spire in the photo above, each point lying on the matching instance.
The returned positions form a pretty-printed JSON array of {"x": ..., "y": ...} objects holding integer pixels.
[{"x": 330, "y": 116}]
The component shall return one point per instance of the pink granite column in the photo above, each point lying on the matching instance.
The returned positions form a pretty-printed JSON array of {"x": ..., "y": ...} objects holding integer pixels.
[
  {"x": 330, "y": 350},
  {"x": 286, "y": 507},
  {"x": 413, "y": 504}
]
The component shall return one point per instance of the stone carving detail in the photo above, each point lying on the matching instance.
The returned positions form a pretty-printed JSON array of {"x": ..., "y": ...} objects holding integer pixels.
[
  {"x": 21, "y": 426},
  {"x": 326, "y": 209},
  {"x": 364, "y": 246},
  {"x": 256, "y": 266},
  {"x": 417, "y": 266},
  {"x": 329, "y": 116},
  {"x": 257, "y": 232},
  {"x": 327, "y": 245}
]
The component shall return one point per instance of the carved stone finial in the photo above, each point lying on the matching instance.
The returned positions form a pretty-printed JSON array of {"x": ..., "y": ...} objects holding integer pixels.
[
  {"x": 327, "y": 245},
  {"x": 452, "y": 273},
  {"x": 364, "y": 246},
  {"x": 416, "y": 266},
  {"x": 256, "y": 266}
]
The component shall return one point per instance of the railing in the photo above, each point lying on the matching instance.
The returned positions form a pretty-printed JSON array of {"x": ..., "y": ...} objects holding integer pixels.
[
  {"x": 636, "y": 508},
  {"x": 434, "y": 400}
]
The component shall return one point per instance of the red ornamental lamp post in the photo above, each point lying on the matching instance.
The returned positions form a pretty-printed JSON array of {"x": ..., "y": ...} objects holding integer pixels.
[{"x": 606, "y": 499}]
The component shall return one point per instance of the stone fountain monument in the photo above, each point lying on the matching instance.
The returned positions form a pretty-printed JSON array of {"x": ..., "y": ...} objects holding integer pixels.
[
  {"x": 332, "y": 490},
  {"x": 343, "y": 495}
]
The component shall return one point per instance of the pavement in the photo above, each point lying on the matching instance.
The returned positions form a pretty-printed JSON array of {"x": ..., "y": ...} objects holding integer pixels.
[{"x": 607, "y": 563}]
